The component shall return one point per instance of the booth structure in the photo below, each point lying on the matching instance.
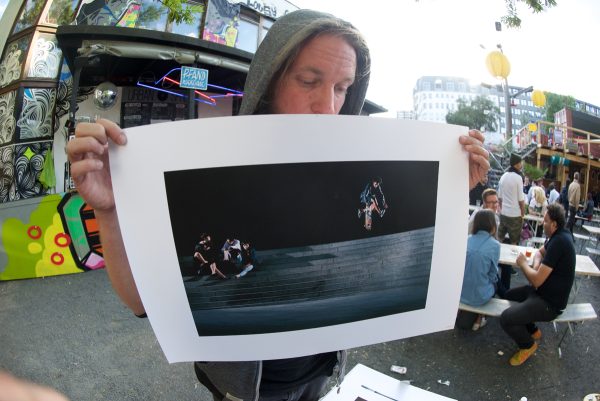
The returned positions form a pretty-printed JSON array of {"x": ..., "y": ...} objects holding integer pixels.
[
  {"x": 67, "y": 61},
  {"x": 570, "y": 144}
]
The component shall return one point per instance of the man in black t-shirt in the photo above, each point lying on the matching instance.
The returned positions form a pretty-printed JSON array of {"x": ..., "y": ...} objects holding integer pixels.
[{"x": 551, "y": 278}]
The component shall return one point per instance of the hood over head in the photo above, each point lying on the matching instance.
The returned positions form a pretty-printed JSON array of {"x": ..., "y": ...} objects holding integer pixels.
[{"x": 283, "y": 40}]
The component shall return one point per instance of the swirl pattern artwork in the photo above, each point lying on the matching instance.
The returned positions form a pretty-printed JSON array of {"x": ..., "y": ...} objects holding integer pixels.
[
  {"x": 45, "y": 58},
  {"x": 29, "y": 162},
  {"x": 7, "y": 117},
  {"x": 7, "y": 174},
  {"x": 36, "y": 114},
  {"x": 14, "y": 57}
]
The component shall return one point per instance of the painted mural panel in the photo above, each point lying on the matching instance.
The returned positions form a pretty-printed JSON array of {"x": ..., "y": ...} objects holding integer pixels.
[
  {"x": 7, "y": 117},
  {"x": 35, "y": 120},
  {"x": 29, "y": 162},
  {"x": 61, "y": 12},
  {"x": 7, "y": 174},
  {"x": 48, "y": 236},
  {"x": 13, "y": 60},
  {"x": 145, "y": 14},
  {"x": 221, "y": 22},
  {"x": 29, "y": 15},
  {"x": 45, "y": 57}
]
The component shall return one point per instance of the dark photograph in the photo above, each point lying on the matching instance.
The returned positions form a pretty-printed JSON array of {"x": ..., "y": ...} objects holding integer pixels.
[{"x": 282, "y": 247}]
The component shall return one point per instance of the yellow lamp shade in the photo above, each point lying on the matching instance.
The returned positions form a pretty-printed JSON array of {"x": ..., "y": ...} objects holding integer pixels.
[
  {"x": 532, "y": 127},
  {"x": 497, "y": 64},
  {"x": 538, "y": 98}
]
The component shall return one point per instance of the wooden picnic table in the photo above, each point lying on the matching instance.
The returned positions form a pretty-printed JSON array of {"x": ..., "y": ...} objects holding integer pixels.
[{"x": 584, "y": 265}]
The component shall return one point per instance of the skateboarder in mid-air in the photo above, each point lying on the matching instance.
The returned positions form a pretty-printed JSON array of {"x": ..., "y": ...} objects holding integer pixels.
[{"x": 372, "y": 199}]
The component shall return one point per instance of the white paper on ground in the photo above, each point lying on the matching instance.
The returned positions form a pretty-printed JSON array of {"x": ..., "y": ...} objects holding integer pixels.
[
  {"x": 372, "y": 385},
  {"x": 139, "y": 185}
]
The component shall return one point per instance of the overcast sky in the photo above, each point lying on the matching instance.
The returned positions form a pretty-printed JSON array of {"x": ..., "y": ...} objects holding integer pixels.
[
  {"x": 3, "y": 4},
  {"x": 554, "y": 51}
]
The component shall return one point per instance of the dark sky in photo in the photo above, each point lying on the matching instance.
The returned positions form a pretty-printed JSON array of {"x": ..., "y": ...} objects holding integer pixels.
[{"x": 291, "y": 205}]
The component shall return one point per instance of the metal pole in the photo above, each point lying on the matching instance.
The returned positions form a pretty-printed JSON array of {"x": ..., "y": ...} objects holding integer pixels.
[{"x": 508, "y": 111}]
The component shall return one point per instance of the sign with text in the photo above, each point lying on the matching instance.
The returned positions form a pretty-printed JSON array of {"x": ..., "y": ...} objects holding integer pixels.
[{"x": 194, "y": 78}]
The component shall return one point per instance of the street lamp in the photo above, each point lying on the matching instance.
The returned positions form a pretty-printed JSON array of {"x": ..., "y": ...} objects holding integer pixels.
[{"x": 499, "y": 66}]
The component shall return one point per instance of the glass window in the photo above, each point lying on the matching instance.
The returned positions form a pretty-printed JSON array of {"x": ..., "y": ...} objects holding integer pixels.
[
  {"x": 193, "y": 29},
  {"x": 426, "y": 86},
  {"x": 62, "y": 12},
  {"x": 29, "y": 15},
  {"x": 266, "y": 25},
  {"x": 152, "y": 15},
  {"x": 247, "y": 36},
  {"x": 450, "y": 85}
]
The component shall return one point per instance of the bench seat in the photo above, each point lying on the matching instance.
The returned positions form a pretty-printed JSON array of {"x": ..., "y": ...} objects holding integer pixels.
[{"x": 572, "y": 313}]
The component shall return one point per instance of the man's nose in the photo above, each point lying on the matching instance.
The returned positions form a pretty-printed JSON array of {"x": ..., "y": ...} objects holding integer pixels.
[{"x": 324, "y": 103}]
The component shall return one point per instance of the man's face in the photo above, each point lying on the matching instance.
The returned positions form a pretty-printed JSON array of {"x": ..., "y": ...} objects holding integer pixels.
[
  {"x": 549, "y": 225},
  {"x": 491, "y": 202},
  {"x": 317, "y": 81}
]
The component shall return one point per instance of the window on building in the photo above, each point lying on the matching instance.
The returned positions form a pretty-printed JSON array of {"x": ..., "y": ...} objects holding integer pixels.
[
  {"x": 266, "y": 24},
  {"x": 438, "y": 84},
  {"x": 192, "y": 29},
  {"x": 450, "y": 86},
  {"x": 426, "y": 86},
  {"x": 248, "y": 31}
]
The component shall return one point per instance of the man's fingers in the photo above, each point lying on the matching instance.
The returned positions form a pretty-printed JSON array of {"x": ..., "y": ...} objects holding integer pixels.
[
  {"x": 78, "y": 148},
  {"x": 113, "y": 131},
  {"x": 85, "y": 166}
]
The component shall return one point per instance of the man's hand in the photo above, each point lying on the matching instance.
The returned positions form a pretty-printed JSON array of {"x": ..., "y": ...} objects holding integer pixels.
[
  {"x": 479, "y": 164},
  {"x": 13, "y": 389},
  {"x": 522, "y": 260},
  {"x": 88, "y": 154}
]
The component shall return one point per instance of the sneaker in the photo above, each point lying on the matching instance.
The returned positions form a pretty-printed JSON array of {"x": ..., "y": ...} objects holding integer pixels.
[
  {"x": 480, "y": 324},
  {"x": 522, "y": 355},
  {"x": 536, "y": 335}
]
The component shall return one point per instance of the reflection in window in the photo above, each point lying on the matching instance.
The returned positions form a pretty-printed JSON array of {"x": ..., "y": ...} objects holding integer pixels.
[
  {"x": 152, "y": 15},
  {"x": 62, "y": 12},
  {"x": 193, "y": 29},
  {"x": 247, "y": 36},
  {"x": 266, "y": 25},
  {"x": 29, "y": 15},
  {"x": 36, "y": 113},
  {"x": 108, "y": 13}
]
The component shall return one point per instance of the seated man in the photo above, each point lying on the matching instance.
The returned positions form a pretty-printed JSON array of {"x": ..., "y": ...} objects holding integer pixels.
[{"x": 551, "y": 278}]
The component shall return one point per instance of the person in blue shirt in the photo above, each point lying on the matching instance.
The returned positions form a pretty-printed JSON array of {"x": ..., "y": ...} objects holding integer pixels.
[{"x": 481, "y": 266}]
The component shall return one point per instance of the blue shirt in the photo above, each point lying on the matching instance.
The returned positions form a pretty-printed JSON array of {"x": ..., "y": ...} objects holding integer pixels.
[{"x": 481, "y": 269}]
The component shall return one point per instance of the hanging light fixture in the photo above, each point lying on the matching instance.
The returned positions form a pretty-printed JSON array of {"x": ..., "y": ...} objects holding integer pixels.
[
  {"x": 538, "y": 98},
  {"x": 497, "y": 64}
]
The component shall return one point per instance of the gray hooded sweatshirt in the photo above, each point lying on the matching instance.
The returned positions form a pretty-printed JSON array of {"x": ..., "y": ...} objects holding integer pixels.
[{"x": 238, "y": 381}]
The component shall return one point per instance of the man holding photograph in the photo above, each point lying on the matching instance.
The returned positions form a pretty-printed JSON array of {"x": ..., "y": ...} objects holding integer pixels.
[{"x": 309, "y": 63}]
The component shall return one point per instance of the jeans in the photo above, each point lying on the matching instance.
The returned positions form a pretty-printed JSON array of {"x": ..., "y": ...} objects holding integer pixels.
[
  {"x": 518, "y": 321},
  {"x": 246, "y": 270},
  {"x": 571, "y": 222}
]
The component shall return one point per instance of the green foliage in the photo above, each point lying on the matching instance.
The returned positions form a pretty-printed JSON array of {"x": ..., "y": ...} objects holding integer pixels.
[
  {"x": 555, "y": 103},
  {"x": 180, "y": 11},
  {"x": 481, "y": 113},
  {"x": 512, "y": 20},
  {"x": 533, "y": 172},
  {"x": 150, "y": 13}
]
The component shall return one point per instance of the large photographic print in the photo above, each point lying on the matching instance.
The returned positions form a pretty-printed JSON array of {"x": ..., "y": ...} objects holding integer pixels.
[
  {"x": 280, "y": 247},
  {"x": 269, "y": 237}
]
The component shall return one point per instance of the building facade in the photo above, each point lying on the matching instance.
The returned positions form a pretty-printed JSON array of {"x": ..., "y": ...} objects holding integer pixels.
[{"x": 435, "y": 96}]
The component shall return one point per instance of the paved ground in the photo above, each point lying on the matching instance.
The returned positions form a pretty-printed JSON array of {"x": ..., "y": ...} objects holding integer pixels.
[{"x": 72, "y": 333}]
